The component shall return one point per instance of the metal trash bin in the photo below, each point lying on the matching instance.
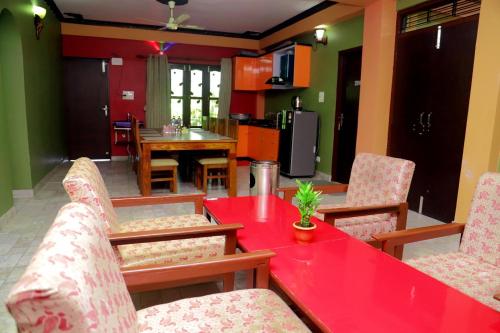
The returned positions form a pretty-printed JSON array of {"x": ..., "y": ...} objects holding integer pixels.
[{"x": 264, "y": 177}]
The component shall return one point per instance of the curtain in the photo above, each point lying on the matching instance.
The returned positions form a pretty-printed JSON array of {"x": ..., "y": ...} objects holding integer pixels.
[
  {"x": 157, "y": 92},
  {"x": 226, "y": 72}
]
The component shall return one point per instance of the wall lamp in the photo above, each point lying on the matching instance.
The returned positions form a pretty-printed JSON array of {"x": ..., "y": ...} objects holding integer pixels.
[
  {"x": 320, "y": 36},
  {"x": 39, "y": 13}
]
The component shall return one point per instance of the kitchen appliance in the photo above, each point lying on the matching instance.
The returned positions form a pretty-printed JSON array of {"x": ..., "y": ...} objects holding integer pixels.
[
  {"x": 298, "y": 137},
  {"x": 297, "y": 103},
  {"x": 286, "y": 68}
]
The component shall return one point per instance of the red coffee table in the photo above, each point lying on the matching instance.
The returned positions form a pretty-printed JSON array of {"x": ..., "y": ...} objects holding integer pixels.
[{"x": 345, "y": 285}]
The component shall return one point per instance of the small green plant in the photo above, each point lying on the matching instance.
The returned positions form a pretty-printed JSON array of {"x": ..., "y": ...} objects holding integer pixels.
[{"x": 308, "y": 201}]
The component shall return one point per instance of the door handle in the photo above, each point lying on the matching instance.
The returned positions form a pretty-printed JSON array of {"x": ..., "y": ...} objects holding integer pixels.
[
  {"x": 105, "y": 109},
  {"x": 341, "y": 121},
  {"x": 429, "y": 121}
]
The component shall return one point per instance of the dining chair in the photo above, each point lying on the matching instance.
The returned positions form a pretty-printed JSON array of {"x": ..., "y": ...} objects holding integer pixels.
[
  {"x": 475, "y": 268},
  {"x": 200, "y": 239},
  {"x": 375, "y": 197},
  {"x": 159, "y": 166},
  {"x": 74, "y": 284}
]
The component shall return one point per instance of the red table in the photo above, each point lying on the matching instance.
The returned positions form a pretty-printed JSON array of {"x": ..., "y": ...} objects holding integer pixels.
[{"x": 345, "y": 285}]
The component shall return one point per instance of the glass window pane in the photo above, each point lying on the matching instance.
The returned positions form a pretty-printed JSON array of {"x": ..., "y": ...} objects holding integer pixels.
[
  {"x": 214, "y": 108},
  {"x": 214, "y": 83},
  {"x": 196, "y": 83},
  {"x": 196, "y": 114},
  {"x": 176, "y": 107},
  {"x": 176, "y": 81}
]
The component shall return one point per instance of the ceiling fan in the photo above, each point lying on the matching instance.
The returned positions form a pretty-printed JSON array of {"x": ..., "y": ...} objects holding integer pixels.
[{"x": 176, "y": 22}]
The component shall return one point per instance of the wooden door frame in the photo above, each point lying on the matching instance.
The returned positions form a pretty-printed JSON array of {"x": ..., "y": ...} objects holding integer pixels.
[{"x": 338, "y": 104}]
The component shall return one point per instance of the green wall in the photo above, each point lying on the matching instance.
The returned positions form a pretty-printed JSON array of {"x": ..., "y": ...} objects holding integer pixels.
[
  {"x": 324, "y": 66},
  {"x": 31, "y": 103}
]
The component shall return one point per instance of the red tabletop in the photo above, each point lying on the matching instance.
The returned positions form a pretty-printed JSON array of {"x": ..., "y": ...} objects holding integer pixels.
[
  {"x": 267, "y": 221},
  {"x": 349, "y": 286},
  {"x": 345, "y": 285}
]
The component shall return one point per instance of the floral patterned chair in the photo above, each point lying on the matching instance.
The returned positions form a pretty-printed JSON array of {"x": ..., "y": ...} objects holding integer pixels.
[
  {"x": 84, "y": 183},
  {"x": 475, "y": 268},
  {"x": 74, "y": 284},
  {"x": 376, "y": 197}
]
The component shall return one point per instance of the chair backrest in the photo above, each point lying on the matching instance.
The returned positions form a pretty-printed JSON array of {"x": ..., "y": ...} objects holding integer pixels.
[
  {"x": 482, "y": 232},
  {"x": 213, "y": 124},
  {"x": 84, "y": 183},
  {"x": 136, "y": 137},
  {"x": 73, "y": 282},
  {"x": 377, "y": 179},
  {"x": 222, "y": 127}
]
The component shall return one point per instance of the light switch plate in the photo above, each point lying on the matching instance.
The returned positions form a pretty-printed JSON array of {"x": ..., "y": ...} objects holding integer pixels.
[
  {"x": 321, "y": 97},
  {"x": 117, "y": 61},
  {"x": 128, "y": 95}
]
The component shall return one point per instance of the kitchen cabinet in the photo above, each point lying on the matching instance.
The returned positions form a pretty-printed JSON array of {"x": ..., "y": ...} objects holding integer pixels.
[
  {"x": 293, "y": 63},
  {"x": 257, "y": 143}
]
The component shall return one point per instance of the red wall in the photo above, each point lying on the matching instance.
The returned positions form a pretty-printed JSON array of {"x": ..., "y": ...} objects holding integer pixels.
[{"x": 132, "y": 75}]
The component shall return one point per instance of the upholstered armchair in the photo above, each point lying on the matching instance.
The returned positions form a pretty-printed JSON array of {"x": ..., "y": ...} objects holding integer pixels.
[
  {"x": 163, "y": 240},
  {"x": 74, "y": 284},
  {"x": 375, "y": 197},
  {"x": 475, "y": 268}
]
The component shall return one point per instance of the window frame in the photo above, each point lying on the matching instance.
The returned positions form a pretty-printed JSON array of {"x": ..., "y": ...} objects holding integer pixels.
[{"x": 186, "y": 89}]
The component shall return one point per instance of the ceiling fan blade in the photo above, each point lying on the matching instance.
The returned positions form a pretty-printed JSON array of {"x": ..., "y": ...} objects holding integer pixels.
[
  {"x": 152, "y": 21},
  {"x": 182, "y": 18},
  {"x": 163, "y": 28},
  {"x": 190, "y": 26}
]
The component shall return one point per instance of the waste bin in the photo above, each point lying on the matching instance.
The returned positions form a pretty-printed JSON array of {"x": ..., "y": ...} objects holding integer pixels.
[{"x": 264, "y": 177}]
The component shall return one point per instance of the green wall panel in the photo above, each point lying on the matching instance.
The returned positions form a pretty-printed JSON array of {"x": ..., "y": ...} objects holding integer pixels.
[
  {"x": 31, "y": 103},
  {"x": 5, "y": 172},
  {"x": 324, "y": 67}
]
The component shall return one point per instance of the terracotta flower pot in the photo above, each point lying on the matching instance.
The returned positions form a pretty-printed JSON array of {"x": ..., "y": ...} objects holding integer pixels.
[{"x": 303, "y": 235}]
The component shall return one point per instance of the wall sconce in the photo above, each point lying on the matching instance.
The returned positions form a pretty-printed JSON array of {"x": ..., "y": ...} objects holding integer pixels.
[
  {"x": 39, "y": 13},
  {"x": 320, "y": 36}
]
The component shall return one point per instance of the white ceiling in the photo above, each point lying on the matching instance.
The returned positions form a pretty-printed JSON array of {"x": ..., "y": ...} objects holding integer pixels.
[{"x": 237, "y": 16}]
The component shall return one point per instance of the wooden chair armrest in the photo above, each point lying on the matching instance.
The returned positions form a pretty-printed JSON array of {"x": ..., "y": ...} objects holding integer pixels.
[
  {"x": 159, "y": 235},
  {"x": 392, "y": 239},
  {"x": 401, "y": 209},
  {"x": 289, "y": 192},
  {"x": 196, "y": 198},
  {"x": 497, "y": 297},
  {"x": 153, "y": 277}
]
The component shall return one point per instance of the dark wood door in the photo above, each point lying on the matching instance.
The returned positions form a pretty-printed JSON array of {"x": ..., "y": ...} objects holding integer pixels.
[
  {"x": 429, "y": 112},
  {"x": 346, "y": 118},
  {"x": 87, "y": 108}
]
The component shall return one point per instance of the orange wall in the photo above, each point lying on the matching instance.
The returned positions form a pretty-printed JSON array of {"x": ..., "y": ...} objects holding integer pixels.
[
  {"x": 376, "y": 76},
  {"x": 482, "y": 136}
]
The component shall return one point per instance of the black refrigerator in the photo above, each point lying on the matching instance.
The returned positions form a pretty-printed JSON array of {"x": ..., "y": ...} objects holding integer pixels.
[{"x": 298, "y": 139}]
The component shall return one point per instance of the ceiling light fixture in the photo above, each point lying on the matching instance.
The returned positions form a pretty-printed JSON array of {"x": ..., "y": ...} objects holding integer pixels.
[
  {"x": 320, "y": 36},
  {"x": 39, "y": 15}
]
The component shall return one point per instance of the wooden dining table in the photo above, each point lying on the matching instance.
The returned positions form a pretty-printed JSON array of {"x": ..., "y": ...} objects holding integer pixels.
[{"x": 153, "y": 139}]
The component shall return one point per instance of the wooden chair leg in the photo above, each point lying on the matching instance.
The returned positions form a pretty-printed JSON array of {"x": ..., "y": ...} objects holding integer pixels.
[
  {"x": 228, "y": 282},
  {"x": 205, "y": 178},
  {"x": 173, "y": 183}
]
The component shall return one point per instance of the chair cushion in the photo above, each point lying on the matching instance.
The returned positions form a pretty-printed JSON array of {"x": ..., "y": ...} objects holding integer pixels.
[
  {"x": 470, "y": 275},
  {"x": 84, "y": 183},
  {"x": 162, "y": 162},
  {"x": 73, "y": 282},
  {"x": 362, "y": 227},
  {"x": 169, "y": 252},
  {"x": 255, "y": 310},
  {"x": 212, "y": 160},
  {"x": 482, "y": 231}
]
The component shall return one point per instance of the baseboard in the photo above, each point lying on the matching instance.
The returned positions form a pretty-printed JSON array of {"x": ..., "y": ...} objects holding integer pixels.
[
  {"x": 8, "y": 214},
  {"x": 119, "y": 158},
  {"x": 323, "y": 176},
  {"x": 23, "y": 194}
]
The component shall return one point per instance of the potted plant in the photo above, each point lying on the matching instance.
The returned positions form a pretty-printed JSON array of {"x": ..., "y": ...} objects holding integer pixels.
[{"x": 308, "y": 201}]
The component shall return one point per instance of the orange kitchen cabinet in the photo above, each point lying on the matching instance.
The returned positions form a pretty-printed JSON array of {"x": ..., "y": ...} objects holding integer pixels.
[
  {"x": 242, "y": 145},
  {"x": 302, "y": 66},
  {"x": 253, "y": 142},
  {"x": 263, "y": 143},
  {"x": 265, "y": 64},
  {"x": 245, "y": 73}
]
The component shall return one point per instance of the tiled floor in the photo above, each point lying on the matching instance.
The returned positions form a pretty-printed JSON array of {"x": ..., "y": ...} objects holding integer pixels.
[{"x": 21, "y": 233}]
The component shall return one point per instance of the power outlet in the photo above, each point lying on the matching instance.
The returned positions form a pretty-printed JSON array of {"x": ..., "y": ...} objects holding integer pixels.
[
  {"x": 321, "y": 97},
  {"x": 318, "y": 159}
]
